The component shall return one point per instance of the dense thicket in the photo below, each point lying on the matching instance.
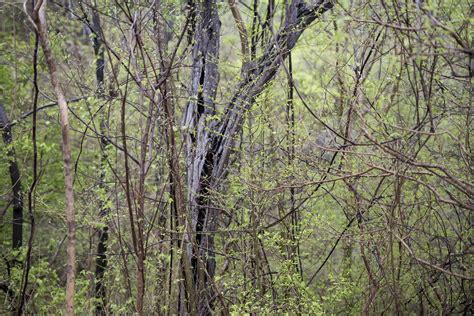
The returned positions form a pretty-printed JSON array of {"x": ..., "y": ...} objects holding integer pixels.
[{"x": 241, "y": 157}]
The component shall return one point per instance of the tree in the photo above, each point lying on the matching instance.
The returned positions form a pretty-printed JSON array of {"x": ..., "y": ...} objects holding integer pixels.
[
  {"x": 17, "y": 200},
  {"x": 209, "y": 144},
  {"x": 239, "y": 157},
  {"x": 39, "y": 19}
]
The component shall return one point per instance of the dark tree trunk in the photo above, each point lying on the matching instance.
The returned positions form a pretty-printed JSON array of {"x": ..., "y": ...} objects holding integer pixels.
[
  {"x": 101, "y": 259},
  {"x": 17, "y": 223},
  {"x": 209, "y": 143}
]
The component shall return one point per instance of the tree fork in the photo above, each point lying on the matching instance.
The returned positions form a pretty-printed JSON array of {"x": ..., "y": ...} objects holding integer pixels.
[{"x": 209, "y": 144}]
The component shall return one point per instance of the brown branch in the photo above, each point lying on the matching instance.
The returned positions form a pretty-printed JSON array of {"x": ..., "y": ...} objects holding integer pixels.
[
  {"x": 242, "y": 30},
  {"x": 431, "y": 265}
]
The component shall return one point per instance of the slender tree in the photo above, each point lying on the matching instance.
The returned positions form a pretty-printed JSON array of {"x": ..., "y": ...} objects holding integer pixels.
[
  {"x": 38, "y": 17},
  {"x": 101, "y": 259}
]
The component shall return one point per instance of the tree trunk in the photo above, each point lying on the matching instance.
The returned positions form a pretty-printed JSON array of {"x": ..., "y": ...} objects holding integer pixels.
[
  {"x": 204, "y": 81},
  {"x": 209, "y": 143},
  {"x": 39, "y": 19},
  {"x": 101, "y": 259},
  {"x": 17, "y": 223}
]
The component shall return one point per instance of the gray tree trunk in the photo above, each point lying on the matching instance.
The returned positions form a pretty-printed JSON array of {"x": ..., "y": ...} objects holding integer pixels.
[
  {"x": 204, "y": 82},
  {"x": 209, "y": 143}
]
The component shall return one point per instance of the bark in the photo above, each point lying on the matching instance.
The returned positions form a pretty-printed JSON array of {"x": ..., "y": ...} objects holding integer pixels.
[
  {"x": 254, "y": 79},
  {"x": 209, "y": 143},
  {"x": 17, "y": 223},
  {"x": 39, "y": 20},
  {"x": 101, "y": 259},
  {"x": 204, "y": 81}
]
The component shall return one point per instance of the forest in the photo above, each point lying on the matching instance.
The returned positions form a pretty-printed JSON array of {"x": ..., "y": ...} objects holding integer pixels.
[{"x": 236, "y": 157}]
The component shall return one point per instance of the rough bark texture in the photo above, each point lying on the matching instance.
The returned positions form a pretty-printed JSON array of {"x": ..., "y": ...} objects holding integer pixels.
[
  {"x": 209, "y": 143},
  {"x": 204, "y": 81},
  {"x": 17, "y": 223},
  {"x": 39, "y": 20},
  {"x": 101, "y": 259}
]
